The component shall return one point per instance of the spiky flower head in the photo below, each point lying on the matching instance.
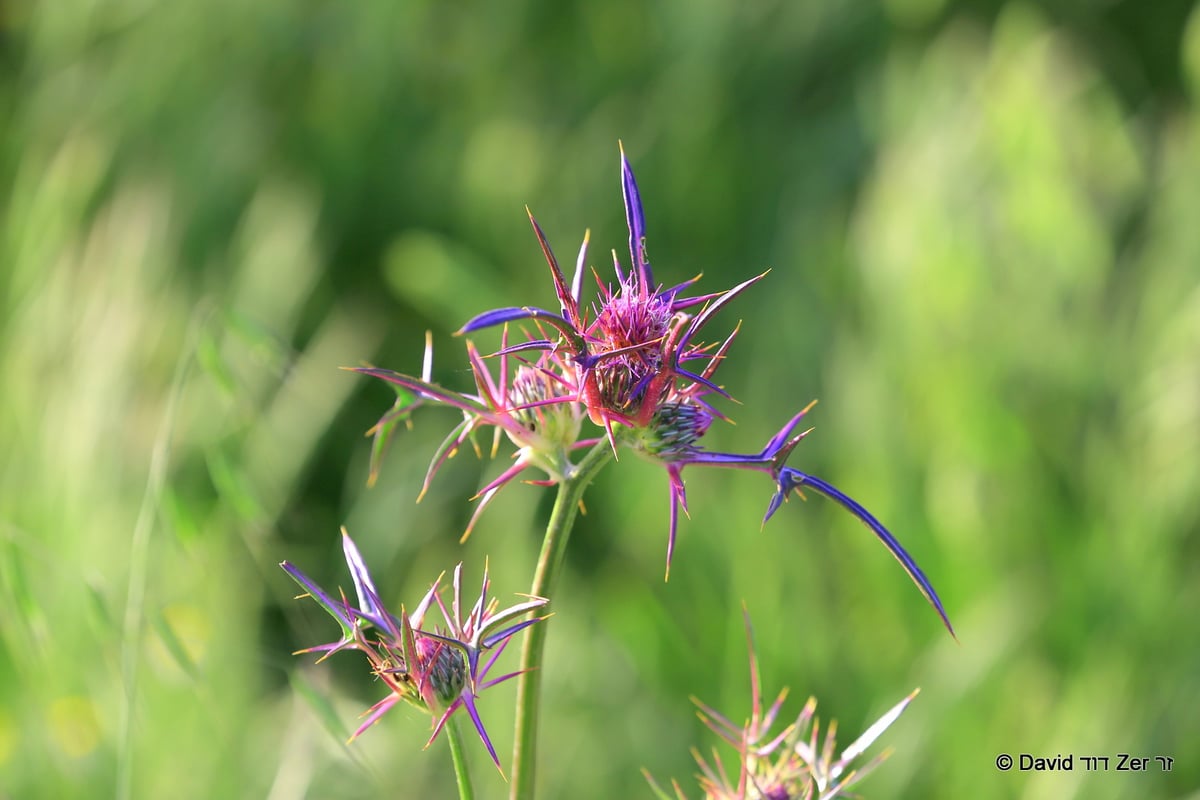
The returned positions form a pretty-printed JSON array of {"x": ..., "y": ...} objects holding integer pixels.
[
  {"x": 531, "y": 404},
  {"x": 632, "y": 363},
  {"x": 438, "y": 667},
  {"x": 790, "y": 764}
]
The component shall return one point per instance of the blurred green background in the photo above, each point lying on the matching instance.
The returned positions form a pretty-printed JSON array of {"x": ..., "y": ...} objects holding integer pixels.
[{"x": 983, "y": 224}]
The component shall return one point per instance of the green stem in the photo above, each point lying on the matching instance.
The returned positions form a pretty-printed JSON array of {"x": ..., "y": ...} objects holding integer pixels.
[
  {"x": 458, "y": 756},
  {"x": 558, "y": 531}
]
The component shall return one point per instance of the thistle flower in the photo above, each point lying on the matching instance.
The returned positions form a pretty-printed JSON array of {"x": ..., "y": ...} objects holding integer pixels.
[
  {"x": 632, "y": 363},
  {"x": 782, "y": 766},
  {"x": 531, "y": 406},
  {"x": 629, "y": 360},
  {"x": 436, "y": 668}
]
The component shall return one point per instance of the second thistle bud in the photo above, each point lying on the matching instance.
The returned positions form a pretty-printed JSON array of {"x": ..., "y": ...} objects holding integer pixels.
[
  {"x": 532, "y": 395},
  {"x": 673, "y": 431}
]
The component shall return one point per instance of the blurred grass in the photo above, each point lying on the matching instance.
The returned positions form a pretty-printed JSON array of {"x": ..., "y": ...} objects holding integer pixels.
[{"x": 981, "y": 224}]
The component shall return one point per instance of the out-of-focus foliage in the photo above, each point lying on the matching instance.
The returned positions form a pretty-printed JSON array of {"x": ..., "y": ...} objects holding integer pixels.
[{"x": 982, "y": 223}]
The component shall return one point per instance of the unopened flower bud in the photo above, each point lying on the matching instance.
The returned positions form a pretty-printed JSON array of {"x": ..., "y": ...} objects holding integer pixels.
[
  {"x": 444, "y": 669},
  {"x": 558, "y": 423},
  {"x": 673, "y": 431}
]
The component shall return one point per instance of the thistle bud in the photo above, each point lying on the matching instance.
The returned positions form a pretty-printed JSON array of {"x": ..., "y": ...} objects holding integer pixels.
[
  {"x": 542, "y": 410},
  {"x": 673, "y": 431},
  {"x": 442, "y": 670}
]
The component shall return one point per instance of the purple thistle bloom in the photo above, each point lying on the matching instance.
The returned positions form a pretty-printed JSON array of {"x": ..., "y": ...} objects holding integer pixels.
[
  {"x": 438, "y": 668},
  {"x": 630, "y": 358},
  {"x": 787, "y": 764},
  {"x": 632, "y": 364}
]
